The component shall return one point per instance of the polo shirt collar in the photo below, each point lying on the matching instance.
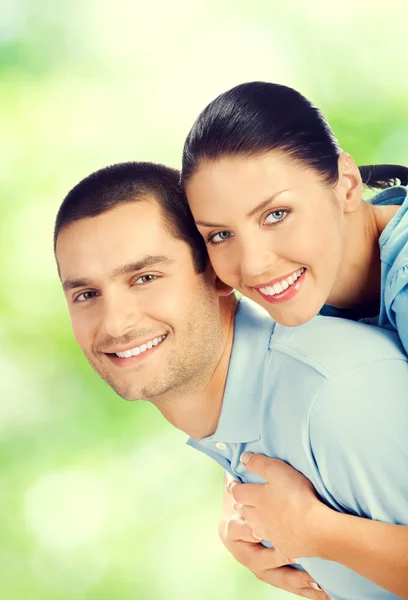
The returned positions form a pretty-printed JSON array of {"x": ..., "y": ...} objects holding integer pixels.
[{"x": 240, "y": 418}]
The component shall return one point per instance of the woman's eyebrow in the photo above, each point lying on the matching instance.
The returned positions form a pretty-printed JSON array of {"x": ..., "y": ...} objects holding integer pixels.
[
  {"x": 206, "y": 224},
  {"x": 251, "y": 213},
  {"x": 264, "y": 204}
]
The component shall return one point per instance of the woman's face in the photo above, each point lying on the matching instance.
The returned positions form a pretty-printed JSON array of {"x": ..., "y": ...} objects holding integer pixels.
[{"x": 274, "y": 231}]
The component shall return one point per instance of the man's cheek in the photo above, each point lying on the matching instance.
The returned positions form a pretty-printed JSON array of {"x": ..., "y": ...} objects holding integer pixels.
[
  {"x": 81, "y": 334},
  {"x": 164, "y": 304}
]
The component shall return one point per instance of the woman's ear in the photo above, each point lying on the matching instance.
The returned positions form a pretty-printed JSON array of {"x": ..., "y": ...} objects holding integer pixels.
[
  {"x": 350, "y": 186},
  {"x": 222, "y": 288}
]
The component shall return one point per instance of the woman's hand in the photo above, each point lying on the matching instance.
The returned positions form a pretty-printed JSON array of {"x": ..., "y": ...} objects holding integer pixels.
[
  {"x": 267, "y": 564},
  {"x": 285, "y": 510}
]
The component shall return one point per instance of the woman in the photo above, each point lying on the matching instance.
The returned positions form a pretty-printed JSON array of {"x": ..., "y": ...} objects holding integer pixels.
[{"x": 280, "y": 207}]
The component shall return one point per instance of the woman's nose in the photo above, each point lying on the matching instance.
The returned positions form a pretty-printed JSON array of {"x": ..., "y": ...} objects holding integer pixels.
[{"x": 256, "y": 260}]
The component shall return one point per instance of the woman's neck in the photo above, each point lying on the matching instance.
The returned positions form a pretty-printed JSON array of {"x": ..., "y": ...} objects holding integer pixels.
[{"x": 358, "y": 284}]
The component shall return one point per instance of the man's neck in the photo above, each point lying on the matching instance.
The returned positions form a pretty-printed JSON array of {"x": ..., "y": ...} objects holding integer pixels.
[{"x": 197, "y": 412}]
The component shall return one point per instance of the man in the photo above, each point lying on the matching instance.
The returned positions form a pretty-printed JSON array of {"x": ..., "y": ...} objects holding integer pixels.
[{"x": 155, "y": 323}]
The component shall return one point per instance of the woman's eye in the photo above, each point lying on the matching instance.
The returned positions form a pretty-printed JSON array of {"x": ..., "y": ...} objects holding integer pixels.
[
  {"x": 85, "y": 296},
  {"x": 217, "y": 238},
  {"x": 276, "y": 216},
  {"x": 145, "y": 279}
]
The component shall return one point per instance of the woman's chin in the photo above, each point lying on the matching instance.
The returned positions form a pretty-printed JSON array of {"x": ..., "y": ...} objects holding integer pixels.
[{"x": 291, "y": 319}]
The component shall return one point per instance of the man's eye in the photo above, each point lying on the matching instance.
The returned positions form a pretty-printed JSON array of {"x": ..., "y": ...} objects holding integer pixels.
[
  {"x": 85, "y": 296},
  {"x": 145, "y": 279}
]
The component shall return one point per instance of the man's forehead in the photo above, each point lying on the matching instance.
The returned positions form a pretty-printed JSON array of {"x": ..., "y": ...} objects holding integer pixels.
[
  {"x": 125, "y": 235},
  {"x": 138, "y": 222}
]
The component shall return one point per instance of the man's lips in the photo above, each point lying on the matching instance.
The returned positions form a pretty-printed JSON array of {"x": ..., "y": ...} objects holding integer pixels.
[
  {"x": 134, "y": 359},
  {"x": 132, "y": 345}
]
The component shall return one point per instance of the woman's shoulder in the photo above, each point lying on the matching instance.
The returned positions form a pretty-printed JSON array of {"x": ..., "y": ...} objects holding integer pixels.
[
  {"x": 396, "y": 194},
  {"x": 394, "y": 237},
  {"x": 394, "y": 259}
]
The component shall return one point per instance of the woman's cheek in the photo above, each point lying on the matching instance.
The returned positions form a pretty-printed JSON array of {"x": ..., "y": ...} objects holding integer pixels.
[{"x": 222, "y": 263}]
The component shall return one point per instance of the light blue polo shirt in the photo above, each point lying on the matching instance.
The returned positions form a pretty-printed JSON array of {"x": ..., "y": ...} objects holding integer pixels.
[
  {"x": 330, "y": 398},
  {"x": 394, "y": 269}
]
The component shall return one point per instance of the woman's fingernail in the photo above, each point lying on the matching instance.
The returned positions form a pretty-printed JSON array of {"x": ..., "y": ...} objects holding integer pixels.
[
  {"x": 314, "y": 585},
  {"x": 245, "y": 457}
]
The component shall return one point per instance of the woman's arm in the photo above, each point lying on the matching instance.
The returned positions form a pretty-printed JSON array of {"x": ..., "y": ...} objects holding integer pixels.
[
  {"x": 287, "y": 510},
  {"x": 378, "y": 551},
  {"x": 267, "y": 564}
]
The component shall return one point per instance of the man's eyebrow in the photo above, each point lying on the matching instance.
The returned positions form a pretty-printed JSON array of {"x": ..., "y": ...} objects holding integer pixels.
[
  {"x": 251, "y": 213},
  {"x": 72, "y": 284},
  {"x": 144, "y": 263}
]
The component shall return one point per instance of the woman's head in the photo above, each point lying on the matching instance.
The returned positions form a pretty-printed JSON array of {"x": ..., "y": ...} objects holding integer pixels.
[
  {"x": 271, "y": 192},
  {"x": 256, "y": 118}
]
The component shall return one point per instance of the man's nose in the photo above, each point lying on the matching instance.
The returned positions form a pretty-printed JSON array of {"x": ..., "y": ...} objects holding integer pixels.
[{"x": 119, "y": 315}]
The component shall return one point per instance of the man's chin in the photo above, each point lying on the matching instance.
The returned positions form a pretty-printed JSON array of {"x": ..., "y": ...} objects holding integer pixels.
[
  {"x": 125, "y": 393},
  {"x": 127, "y": 390}
]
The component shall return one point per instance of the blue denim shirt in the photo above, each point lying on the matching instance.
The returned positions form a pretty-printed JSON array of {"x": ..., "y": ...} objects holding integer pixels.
[
  {"x": 330, "y": 398},
  {"x": 394, "y": 269}
]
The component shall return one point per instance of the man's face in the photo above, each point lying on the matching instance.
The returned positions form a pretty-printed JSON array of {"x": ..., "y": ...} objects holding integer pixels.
[{"x": 132, "y": 289}]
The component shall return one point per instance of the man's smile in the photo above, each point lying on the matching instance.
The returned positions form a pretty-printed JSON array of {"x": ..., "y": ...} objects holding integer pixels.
[{"x": 135, "y": 354}]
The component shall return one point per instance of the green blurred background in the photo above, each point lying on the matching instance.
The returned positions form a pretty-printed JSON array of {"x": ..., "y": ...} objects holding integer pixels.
[{"x": 99, "y": 498}]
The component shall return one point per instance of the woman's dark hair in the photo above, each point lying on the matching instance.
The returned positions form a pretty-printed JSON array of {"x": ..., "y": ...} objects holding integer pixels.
[{"x": 258, "y": 117}]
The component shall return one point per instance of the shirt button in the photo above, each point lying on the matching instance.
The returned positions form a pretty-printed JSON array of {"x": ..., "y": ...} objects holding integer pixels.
[{"x": 220, "y": 445}]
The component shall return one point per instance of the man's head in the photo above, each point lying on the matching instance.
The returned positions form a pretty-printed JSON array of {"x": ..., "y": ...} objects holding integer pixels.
[{"x": 135, "y": 274}]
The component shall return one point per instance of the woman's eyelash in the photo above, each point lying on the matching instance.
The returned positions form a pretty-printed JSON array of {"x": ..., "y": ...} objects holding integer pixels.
[
  {"x": 210, "y": 239},
  {"x": 285, "y": 212}
]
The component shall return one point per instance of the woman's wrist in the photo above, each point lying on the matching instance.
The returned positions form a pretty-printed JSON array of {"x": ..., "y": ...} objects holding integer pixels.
[{"x": 322, "y": 527}]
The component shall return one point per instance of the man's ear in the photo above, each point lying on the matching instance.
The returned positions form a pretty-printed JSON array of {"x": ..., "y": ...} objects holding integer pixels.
[{"x": 349, "y": 188}]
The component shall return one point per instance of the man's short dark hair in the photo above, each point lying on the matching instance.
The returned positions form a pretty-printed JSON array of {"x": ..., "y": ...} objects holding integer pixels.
[{"x": 131, "y": 182}]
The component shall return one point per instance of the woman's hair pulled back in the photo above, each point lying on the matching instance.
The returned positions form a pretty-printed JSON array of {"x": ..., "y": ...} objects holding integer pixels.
[{"x": 258, "y": 117}]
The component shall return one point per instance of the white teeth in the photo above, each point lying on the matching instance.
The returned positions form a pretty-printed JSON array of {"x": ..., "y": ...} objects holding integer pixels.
[
  {"x": 268, "y": 290},
  {"x": 140, "y": 349},
  {"x": 282, "y": 285}
]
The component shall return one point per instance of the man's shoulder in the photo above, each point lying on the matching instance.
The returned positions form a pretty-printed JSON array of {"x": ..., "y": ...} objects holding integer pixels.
[
  {"x": 334, "y": 344},
  {"x": 253, "y": 320}
]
